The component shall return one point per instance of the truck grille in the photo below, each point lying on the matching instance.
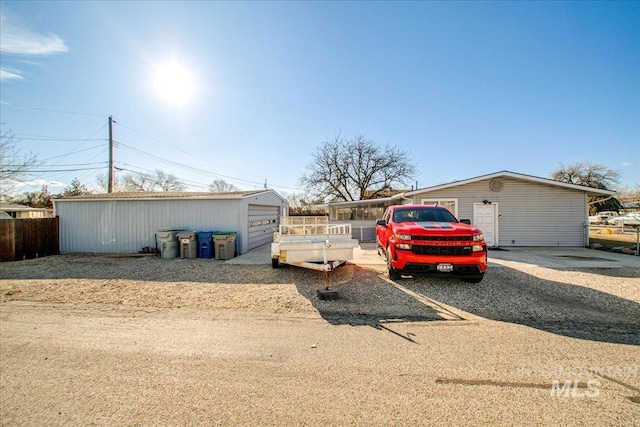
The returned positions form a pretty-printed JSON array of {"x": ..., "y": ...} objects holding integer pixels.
[
  {"x": 441, "y": 250},
  {"x": 444, "y": 238}
]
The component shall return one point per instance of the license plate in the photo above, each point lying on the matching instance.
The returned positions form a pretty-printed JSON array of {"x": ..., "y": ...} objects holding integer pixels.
[{"x": 445, "y": 268}]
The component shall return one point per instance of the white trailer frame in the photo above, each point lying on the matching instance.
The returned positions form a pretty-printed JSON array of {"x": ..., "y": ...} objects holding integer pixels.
[{"x": 311, "y": 242}]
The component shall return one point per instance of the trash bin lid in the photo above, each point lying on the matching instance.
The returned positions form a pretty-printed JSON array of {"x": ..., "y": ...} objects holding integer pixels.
[
  {"x": 204, "y": 235},
  {"x": 187, "y": 235},
  {"x": 167, "y": 233}
]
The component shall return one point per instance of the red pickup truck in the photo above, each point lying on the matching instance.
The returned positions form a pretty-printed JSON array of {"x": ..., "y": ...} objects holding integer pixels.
[{"x": 418, "y": 239}]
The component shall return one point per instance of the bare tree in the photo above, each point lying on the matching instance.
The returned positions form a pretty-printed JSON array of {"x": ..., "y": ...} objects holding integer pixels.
[
  {"x": 222, "y": 186},
  {"x": 354, "y": 169},
  {"x": 299, "y": 204},
  {"x": 588, "y": 174},
  {"x": 167, "y": 181},
  {"x": 629, "y": 194},
  {"x": 593, "y": 175},
  {"x": 139, "y": 182},
  {"x": 150, "y": 182},
  {"x": 103, "y": 184},
  {"x": 14, "y": 166}
]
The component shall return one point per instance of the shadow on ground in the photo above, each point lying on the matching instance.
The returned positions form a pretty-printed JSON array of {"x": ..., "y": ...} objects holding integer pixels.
[
  {"x": 510, "y": 295},
  {"x": 366, "y": 297}
]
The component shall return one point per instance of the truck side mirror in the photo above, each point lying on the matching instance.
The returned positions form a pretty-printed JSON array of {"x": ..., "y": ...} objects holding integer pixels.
[
  {"x": 381, "y": 222},
  {"x": 466, "y": 221}
]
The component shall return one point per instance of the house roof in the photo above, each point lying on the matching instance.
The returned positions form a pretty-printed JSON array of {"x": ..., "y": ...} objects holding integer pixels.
[
  {"x": 167, "y": 195},
  {"x": 506, "y": 174},
  {"x": 12, "y": 207}
]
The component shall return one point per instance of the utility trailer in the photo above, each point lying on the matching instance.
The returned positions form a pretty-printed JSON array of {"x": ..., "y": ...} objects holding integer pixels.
[{"x": 311, "y": 242}]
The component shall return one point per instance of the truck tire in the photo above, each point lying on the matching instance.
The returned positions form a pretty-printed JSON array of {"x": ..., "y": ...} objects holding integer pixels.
[
  {"x": 275, "y": 262},
  {"x": 393, "y": 273}
]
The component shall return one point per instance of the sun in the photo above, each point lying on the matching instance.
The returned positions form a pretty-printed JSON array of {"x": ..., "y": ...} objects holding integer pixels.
[{"x": 174, "y": 82}]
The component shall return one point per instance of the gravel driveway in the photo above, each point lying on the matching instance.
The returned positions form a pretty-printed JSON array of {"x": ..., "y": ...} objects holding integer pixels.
[{"x": 147, "y": 341}]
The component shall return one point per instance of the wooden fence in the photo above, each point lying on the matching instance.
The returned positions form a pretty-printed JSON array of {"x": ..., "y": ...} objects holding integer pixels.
[{"x": 28, "y": 238}]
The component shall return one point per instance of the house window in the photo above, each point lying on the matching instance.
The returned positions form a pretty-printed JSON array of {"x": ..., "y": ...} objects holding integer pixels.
[{"x": 450, "y": 204}]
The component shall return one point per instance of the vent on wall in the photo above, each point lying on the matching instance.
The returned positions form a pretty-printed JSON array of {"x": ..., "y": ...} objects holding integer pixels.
[{"x": 495, "y": 185}]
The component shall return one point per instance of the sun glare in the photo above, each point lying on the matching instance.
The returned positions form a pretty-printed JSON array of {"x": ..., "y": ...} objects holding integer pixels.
[{"x": 174, "y": 82}]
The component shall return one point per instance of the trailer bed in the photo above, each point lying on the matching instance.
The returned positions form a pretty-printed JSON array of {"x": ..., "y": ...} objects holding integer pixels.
[{"x": 311, "y": 242}]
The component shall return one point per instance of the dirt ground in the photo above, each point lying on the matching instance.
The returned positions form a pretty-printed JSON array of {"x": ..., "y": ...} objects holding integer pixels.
[{"x": 93, "y": 340}]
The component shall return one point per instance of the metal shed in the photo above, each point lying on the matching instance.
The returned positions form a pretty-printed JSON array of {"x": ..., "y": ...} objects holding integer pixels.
[{"x": 127, "y": 222}]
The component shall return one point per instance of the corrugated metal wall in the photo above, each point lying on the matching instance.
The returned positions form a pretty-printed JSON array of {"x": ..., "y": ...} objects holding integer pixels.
[
  {"x": 530, "y": 214},
  {"x": 126, "y": 226}
]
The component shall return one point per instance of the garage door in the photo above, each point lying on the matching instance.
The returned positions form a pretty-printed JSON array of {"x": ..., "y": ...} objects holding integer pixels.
[{"x": 263, "y": 220}]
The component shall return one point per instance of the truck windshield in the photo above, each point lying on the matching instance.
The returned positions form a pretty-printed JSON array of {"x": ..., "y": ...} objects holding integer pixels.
[{"x": 423, "y": 215}]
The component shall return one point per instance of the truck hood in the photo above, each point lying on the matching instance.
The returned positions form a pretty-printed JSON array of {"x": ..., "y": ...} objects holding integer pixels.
[{"x": 440, "y": 228}]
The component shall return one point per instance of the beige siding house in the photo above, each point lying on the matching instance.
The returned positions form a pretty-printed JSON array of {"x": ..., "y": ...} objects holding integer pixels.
[{"x": 514, "y": 209}]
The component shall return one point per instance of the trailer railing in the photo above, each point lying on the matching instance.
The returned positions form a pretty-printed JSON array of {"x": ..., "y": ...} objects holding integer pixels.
[{"x": 312, "y": 226}]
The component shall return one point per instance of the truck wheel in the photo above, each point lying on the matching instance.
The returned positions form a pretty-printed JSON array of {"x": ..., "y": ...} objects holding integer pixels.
[
  {"x": 474, "y": 279},
  {"x": 275, "y": 262},
  {"x": 393, "y": 273}
]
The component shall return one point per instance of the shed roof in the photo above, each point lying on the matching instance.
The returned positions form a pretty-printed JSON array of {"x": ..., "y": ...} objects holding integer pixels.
[
  {"x": 592, "y": 191},
  {"x": 167, "y": 195}
]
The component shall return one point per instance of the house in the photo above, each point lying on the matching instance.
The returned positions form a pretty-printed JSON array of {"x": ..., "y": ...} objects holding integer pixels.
[
  {"x": 24, "y": 212},
  {"x": 511, "y": 209},
  {"x": 127, "y": 222}
]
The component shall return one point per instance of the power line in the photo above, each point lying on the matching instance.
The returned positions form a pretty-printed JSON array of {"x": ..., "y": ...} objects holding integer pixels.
[
  {"x": 186, "y": 181},
  {"x": 192, "y": 168},
  {"x": 74, "y": 152},
  {"x": 183, "y": 165},
  {"x": 52, "y": 170},
  {"x": 87, "y": 139},
  {"x": 50, "y": 110},
  {"x": 64, "y": 165},
  {"x": 55, "y": 139},
  {"x": 195, "y": 157}
]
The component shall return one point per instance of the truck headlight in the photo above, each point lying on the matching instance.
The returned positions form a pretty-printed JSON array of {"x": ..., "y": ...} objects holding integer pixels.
[
  {"x": 477, "y": 248},
  {"x": 402, "y": 236},
  {"x": 478, "y": 237},
  {"x": 403, "y": 246}
]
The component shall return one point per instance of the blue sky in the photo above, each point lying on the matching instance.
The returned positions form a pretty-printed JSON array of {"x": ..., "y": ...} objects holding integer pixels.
[{"x": 465, "y": 88}]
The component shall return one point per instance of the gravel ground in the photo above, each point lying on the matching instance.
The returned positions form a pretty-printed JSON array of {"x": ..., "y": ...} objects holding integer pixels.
[
  {"x": 604, "y": 301},
  {"x": 94, "y": 340}
]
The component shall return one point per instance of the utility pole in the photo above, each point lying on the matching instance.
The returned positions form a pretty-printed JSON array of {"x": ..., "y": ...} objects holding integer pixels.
[{"x": 110, "y": 184}]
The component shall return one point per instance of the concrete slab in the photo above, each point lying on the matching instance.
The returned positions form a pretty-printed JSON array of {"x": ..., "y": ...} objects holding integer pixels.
[
  {"x": 563, "y": 258},
  {"x": 257, "y": 256}
]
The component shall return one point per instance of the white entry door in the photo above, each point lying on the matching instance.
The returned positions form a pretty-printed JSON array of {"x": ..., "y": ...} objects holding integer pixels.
[{"x": 484, "y": 217}]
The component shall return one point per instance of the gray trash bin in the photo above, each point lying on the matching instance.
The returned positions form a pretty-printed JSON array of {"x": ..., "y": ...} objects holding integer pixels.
[
  {"x": 188, "y": 244},
  {"x": 168, "y": 241},
  {"x": 224, "y": 244}
]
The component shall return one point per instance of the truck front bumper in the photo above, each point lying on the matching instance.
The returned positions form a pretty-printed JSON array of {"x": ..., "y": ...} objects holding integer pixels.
[{"x": 407, "y": 261}]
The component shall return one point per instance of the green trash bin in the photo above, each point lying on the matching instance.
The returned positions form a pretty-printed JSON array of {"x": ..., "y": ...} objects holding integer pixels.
[{"x": 224, "y": 244}]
